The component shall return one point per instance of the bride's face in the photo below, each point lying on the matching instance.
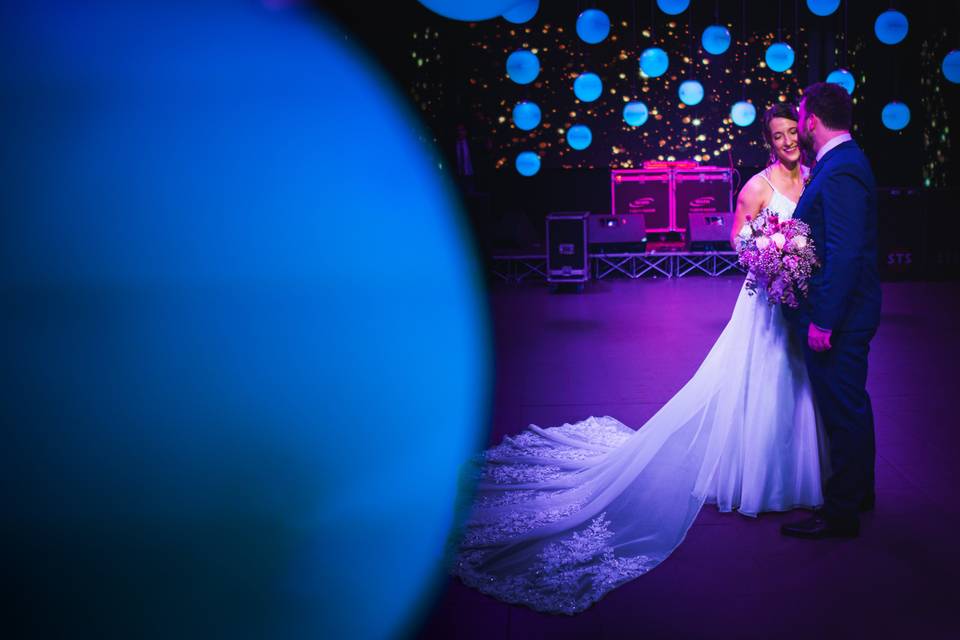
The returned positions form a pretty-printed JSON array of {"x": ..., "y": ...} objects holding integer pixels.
[{"x": 783, "y": 135}]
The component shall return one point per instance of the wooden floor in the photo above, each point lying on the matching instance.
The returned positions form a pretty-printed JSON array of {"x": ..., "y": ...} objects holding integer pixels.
[{"x": 622, "y": 348}]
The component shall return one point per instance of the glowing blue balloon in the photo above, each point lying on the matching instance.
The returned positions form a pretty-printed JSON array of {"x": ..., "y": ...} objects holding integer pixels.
[
  {"x": 469, "y": 10},
  {"x": 951, "y": 66},
  {"x": 654, "y": 62},
  {"x": 690, "y": 92},
  {"x": 779, "y": 56},
  {"x": 526, "y": 115},
  {"x": 743, "y": 113},
  {"x": 673, "y": 7},
  {"x": 579, "y": 136},
  {"x": 822, "y": 7},
  {"x": 200, "y": 360},
  {"x": 715, "y": 39},
  {"x": 843, "y": 78},
  {"x": 587, "y": 87},
  {"x": 891, "y": 27},
  {"x": 523, "y": 67},
  {"x": 635, "y": 113},
  {"x": 522, "y": 12},
  {"x": 528, "y": 163},
  {"x": 593, "y": 26},
  {"x": 895, "y": 115}
]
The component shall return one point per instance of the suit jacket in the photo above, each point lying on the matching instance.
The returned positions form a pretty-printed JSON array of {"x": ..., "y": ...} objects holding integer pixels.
[{"x": 840, "y": 205}]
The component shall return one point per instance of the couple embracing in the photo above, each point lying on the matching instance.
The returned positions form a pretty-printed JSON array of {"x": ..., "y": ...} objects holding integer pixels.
[{"x": 777, "y": 416}]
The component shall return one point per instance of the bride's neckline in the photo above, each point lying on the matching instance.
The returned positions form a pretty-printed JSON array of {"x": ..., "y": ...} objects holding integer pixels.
[{"x": 803, "y": 175}]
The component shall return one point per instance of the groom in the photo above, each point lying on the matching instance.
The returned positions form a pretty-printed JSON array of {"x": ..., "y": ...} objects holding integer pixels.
[{"x": 842, "y": 310}]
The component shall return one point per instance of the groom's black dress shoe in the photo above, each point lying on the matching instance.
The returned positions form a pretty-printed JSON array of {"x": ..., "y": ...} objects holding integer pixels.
[{"x": 816, "y": 527}]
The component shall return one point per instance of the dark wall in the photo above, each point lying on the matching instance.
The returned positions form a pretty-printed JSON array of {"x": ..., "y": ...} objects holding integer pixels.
[
  {"x": 444, "y": 89},
  {"x": 509, "y": 209}
]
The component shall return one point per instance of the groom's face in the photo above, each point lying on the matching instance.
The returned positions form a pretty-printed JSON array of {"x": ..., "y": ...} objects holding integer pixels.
[{"x": 805, "y": 126}]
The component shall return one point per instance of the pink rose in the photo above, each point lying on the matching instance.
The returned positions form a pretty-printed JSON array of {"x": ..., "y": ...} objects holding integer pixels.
[
  {"x": 800, "y": 242},
  {"x": 779, "y": 239},
  {"x": 763, "y": 242}
]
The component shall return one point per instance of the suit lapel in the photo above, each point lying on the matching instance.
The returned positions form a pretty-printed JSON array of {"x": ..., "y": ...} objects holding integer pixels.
[
  {"x": 816, "y": 170},
  {"x": 829, "y": 154}
]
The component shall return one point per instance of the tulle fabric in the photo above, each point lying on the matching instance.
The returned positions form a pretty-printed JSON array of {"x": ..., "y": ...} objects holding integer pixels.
[{"x": 563, "y": 515}]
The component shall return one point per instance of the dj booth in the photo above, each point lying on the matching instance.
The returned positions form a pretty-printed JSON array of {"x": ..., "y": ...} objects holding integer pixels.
[
  {"x": 670, "y": 197},
  {"x": 679, "y": 201}
]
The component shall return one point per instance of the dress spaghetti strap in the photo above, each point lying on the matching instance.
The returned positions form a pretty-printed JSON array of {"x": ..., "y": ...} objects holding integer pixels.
[{"x": 763, "y": 174}]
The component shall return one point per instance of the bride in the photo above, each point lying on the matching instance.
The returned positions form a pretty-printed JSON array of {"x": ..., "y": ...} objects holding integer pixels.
[{"x": 563, "y": 515}]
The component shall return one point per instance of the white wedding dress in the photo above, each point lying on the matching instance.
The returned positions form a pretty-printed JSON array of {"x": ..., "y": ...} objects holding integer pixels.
[{"x": 563, "y": 515}]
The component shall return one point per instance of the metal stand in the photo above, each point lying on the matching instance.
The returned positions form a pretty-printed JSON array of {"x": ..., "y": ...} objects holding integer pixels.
[{"x": 518, "y": 268}]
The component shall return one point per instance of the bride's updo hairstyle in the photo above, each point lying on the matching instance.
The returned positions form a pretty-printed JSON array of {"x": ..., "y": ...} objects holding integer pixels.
[{"x": 778, "y": 110}]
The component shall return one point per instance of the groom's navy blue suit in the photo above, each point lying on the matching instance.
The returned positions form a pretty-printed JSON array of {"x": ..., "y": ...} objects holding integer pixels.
[{"x": 840, "y": 205}]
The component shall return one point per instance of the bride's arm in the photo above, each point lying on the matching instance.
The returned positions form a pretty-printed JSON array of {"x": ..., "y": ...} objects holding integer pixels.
[{"x": 749, "y": 203}]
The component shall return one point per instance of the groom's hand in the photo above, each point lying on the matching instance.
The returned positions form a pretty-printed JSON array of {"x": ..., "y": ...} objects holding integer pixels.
[{"x": 817, "y": 338}]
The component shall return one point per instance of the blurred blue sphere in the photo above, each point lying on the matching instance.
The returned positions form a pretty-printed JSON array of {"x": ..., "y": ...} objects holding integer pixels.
[
  {"x": 715, "y": 39},
  {"x": 690, "y": 92},
  {"x": 587, "y": 87},
  {"x": 228, "y": 412},
  {"x": 895, "y": 116},
  {"x": 523, "y": 67},
  {"x": 843, "y": 78},
  {"x": 891, "y": 27},
  {"x": 526, "y": 115},
  {"x": 822, "y": 7},
  {"x": 673, "y": 7},
  {"x": 654, "y": 62},
  {"x": 951, "y": 66},
  {"x": 743, "y": 113},
  {"x": 635, "y": 113},
  {"x": 522, "y": 12},
  {"x": 579, "y": 136},
  {"x": 593, "y": 26},
  {"x": 469, "y": 10},
  {"x": 779, "y": 56},
  {"x": 527, "y": 163}
]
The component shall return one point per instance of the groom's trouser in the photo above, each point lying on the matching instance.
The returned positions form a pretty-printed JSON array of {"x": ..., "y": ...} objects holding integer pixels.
[{"x": 839, "y": 380}]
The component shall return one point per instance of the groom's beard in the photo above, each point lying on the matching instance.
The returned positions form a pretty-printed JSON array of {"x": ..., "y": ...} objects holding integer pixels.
[{"x": 806, "y": 145}]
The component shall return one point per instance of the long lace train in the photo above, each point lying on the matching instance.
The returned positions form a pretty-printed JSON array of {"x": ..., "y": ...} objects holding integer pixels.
[{"x": 563, "y": 515}]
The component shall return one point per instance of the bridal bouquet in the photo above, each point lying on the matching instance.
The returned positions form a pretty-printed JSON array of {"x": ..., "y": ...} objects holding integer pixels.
[{"x": 779, "y": 256}]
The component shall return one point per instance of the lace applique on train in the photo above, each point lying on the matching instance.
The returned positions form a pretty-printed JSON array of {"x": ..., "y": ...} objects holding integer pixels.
[
  {"x": 571, "y": 573},
  {"x": 569, "y": 576}
]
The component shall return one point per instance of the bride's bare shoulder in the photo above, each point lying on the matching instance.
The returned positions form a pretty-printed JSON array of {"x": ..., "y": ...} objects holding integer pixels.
[{"x": 756, "y": 187}]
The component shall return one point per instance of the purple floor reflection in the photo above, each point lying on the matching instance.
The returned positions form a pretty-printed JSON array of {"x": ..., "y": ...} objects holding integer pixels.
[{"x": 622, "y": 349}]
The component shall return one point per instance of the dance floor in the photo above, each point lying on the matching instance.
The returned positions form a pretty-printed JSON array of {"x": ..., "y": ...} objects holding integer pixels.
[{"x": 622, "y": 348}]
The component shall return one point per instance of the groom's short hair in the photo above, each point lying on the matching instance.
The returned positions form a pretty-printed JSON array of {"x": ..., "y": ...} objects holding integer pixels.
[{"x": 831, "y": 103}]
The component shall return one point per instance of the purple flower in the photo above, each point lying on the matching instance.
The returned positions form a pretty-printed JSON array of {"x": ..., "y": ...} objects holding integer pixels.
[{"x": 778, "y": 267}]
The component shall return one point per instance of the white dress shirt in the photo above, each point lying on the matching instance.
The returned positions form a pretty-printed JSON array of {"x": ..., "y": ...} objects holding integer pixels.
[{"x": 831, "y": 143}]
